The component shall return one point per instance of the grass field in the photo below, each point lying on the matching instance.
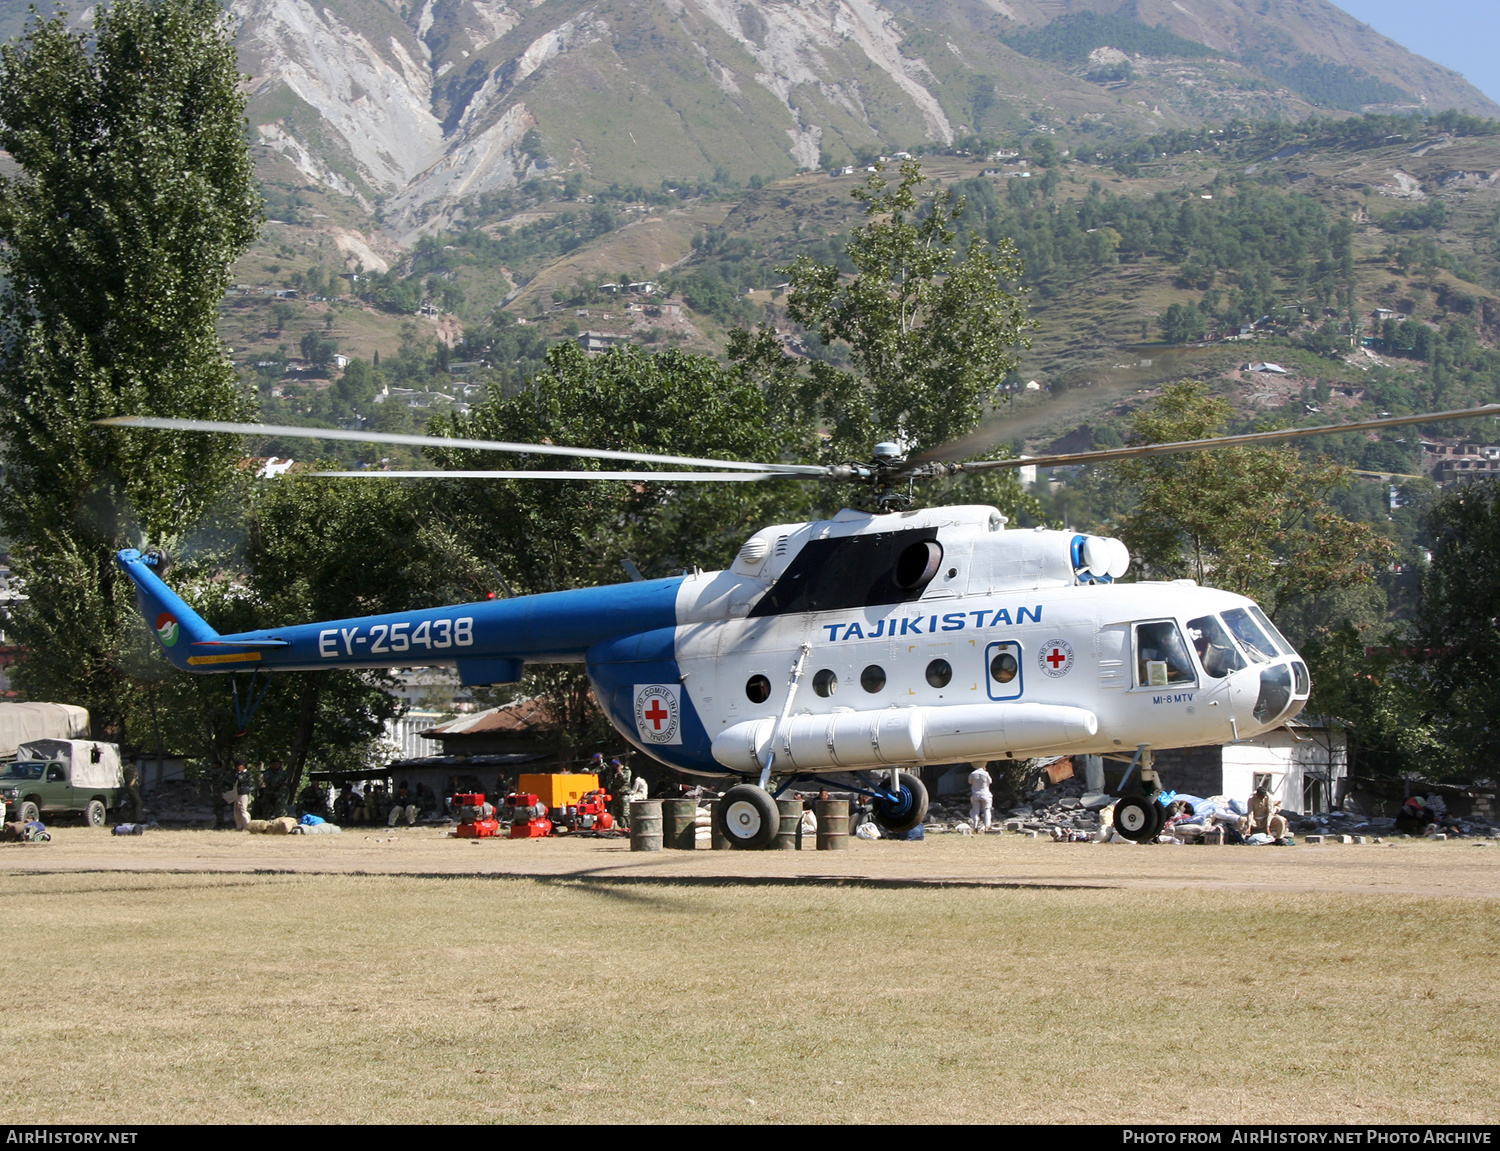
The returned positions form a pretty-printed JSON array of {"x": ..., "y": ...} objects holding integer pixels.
[{"x": 181, "y": 997}]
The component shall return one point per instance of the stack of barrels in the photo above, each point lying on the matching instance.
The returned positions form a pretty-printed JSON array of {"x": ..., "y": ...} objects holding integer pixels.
[{"x": 673, "y": 824}]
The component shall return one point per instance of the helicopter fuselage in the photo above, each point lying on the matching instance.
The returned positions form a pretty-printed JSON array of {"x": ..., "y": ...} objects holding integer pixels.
[{"x": 850, "y": 644}]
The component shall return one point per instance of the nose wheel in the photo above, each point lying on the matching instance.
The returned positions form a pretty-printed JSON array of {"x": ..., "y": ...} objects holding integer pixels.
[{"x": 1139, "y": 818}]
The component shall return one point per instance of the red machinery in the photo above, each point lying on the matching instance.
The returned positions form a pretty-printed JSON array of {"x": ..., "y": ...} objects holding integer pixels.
[
  {"x": 590, "y": 813},
  {"x": 528, "y": 816},
  {"x": 476, "y": 818}
]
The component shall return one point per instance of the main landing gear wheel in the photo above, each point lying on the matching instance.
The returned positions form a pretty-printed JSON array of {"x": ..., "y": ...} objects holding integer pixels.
[
  {"x": 904, "y": 809},
  {"x": 747, "y": 817},
  {"x": 1139, "y": 818}
]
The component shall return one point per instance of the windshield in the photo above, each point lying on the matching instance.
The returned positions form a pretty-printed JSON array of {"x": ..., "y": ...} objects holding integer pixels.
[
  {"x": 1216, "y": 651},
  {"x": 1252, "y": 639},
  {"x": 25, "y": 769},
  {"x": 1270, "y": 629}
]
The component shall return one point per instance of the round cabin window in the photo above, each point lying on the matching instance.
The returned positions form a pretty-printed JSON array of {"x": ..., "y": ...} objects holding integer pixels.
[
  {"x": 826, "y": 682},
  {"x": 758, "y": 688},
  {"x": 939, "y": 673},
  {"x": 1004, "y": 667},
  {"x": 872, "y": 679}
]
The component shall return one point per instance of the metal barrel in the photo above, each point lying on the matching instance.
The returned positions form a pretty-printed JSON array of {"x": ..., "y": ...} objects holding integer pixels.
[
  {"x": 717, "y": 840},
  {"x": 833, "y": 824},
  {"x": 645, "y": 825},
  {"x": 791, "y": 819},
  {"x": 679, "y": 824}
]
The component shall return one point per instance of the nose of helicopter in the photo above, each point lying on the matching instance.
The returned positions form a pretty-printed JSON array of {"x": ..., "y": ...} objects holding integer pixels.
[{"x": 1284, "y": 687}]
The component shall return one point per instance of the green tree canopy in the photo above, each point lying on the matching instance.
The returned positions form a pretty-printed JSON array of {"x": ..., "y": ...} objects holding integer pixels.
[
  {"x": 1251, "y": 520},
  {"x": 1458, "y": 624},
  {"x": 134, "y": 196},
  {"x": 929, "y": 330}
]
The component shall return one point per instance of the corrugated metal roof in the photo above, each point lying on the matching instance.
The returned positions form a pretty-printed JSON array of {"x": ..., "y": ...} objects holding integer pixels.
[{"x": 522, "y": 717}]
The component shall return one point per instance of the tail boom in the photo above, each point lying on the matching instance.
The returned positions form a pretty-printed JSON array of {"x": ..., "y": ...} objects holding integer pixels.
[{"x": 488, "y": 641}]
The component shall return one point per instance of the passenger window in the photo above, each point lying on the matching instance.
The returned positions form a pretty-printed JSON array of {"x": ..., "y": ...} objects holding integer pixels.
[
  {"x": 826, "y": 682},
  {"x": 55, "y": 774},
  {"x": 1161, "y": 658},
  {"x": 1004, "y": 680},
  {"x": 939, "y": 673},
  {"x": 1216, "y": 651},
  {"x": 872, "y": 679},
  {"x": 758, "y": 689}
]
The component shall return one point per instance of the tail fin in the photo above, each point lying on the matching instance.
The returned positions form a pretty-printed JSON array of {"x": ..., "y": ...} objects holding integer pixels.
[{"x": 177, "y": 626}]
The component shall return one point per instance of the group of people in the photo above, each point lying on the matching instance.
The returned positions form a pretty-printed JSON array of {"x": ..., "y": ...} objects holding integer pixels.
[
  {"x": 1261, "y": 823},
  {"x": 378, "y": 806},
  {"x": 1263, "y": 812},
  {"x": 618, "y": 782},
  {"x": 245, "y": 793}
]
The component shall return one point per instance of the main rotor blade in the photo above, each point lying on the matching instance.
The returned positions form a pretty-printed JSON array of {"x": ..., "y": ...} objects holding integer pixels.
[
  {"x": 650, "y": 477},
  {"x": 1013, "y": 421},
  {"x": 1224, "y": 441},
  {"x": 176, "y": 425}
]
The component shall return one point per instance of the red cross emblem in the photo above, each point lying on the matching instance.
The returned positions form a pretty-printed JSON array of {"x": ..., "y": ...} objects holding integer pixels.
[
  {"x": 658, "y": 713},
  {"x": 1055, "y": 658}
]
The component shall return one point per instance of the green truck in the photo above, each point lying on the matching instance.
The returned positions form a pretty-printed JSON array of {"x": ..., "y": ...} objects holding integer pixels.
[{"x": 57, "y": 777}]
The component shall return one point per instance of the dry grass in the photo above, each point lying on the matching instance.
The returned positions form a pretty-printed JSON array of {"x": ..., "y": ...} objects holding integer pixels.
[{"x": 176, "y": 998}]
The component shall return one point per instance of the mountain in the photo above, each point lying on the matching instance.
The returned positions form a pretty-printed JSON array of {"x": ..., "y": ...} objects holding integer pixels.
[{"x": 417, "y": 106}]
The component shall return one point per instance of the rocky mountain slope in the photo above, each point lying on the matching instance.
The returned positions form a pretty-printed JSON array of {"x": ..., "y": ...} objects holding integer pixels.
[{"x": 416, "y": 106}]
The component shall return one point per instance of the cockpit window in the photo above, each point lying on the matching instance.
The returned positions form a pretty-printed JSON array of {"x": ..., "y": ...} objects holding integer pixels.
[
  {"x": 1270, "y": 629},
  {"x": 1256, "y": 643},
  {"x": 1161, "y": 656},
  {"x": 1216, "y": 651}
]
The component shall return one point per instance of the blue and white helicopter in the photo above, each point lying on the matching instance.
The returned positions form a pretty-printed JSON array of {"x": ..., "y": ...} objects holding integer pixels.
[{"x": 846, "y": 651}]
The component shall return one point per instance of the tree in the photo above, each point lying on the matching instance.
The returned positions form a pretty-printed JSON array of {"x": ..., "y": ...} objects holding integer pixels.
[
  {"x": 134, "y": 196},
  {"x": 929, "y": 330},
  {"x": 1251, "y": 520},
  {"x": 1458, "y": 624}
]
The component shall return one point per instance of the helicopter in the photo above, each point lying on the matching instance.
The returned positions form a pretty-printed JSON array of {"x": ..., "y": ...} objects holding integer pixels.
[{"x": 846, "y": 652}]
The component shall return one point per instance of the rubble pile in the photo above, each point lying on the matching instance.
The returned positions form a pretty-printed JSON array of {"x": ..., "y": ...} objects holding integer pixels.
[
  {"x": 181, "y": 802},
  {"x": 1336, "y": 823},
  {"x": 1066, "y": 806}
]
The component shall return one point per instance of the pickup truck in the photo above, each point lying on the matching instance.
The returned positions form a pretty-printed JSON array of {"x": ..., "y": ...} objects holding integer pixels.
[{"x": 53, "y": 777}]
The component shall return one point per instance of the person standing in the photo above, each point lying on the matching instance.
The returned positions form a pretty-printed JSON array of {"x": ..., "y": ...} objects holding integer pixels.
[
  {"x": 130, "y": 798},
  {"x": 980, "y": 800},
  {"x": 242, "y": 789},
  {"x": 617, "y": 784}
]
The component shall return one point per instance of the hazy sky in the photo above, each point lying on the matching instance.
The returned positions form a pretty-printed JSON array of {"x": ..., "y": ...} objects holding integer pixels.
[{"x": 1459, "y": 34}]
